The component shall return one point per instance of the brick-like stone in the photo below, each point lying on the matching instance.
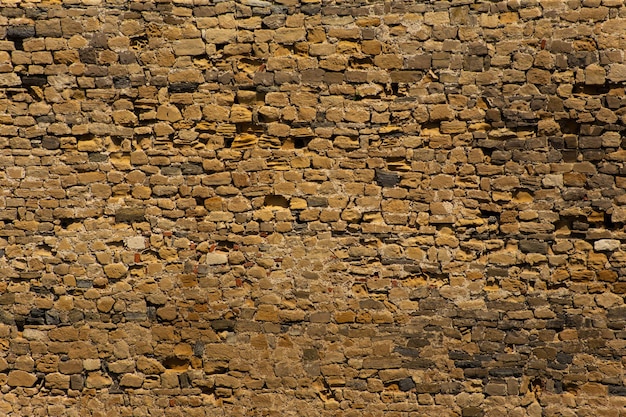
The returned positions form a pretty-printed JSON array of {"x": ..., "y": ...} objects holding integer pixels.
[
  {"x": 189, "y": 47},
  {"x": 19, "y": 378}
]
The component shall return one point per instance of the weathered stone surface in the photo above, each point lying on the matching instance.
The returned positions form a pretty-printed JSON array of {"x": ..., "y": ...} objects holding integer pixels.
[
  {"x": 617, "y": 73},
  {"x": 220, "y": 36},
  {"x": 189, "y": 47},
  {"x": 130, "y": 214},
  {"x": 216, "y": 258},
  {"x": 312, "y": 207},
  {"x": 606, "y": 244},
  {"x": 10, "y": 80},
  {"x": 136, "y": 243},
  {"x": 21, "y": 379},
  {"x": 115, "y": 271}
]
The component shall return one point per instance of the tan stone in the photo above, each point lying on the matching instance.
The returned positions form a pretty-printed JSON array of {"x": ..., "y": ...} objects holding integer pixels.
[
  {"x": 606, "y": 116},
  {"x": 617, "y": 73},
  {"x": 389, "y": 61},
  {"x": 167, "y": 313},
  {"x": 124, "y": 117},
  {"x": 215, "y": 113},
  {"x": 441, "y": 112},
  {"x": 91, "y": 177},
  {"x": 169, "y": 113},
  {"x": 356, "y": 115},
  {"x": 595, "y": 75},
  {"x": 240, "y": 114},
  {"x": 238, "y": 204},
  {"x": 220, "y": 36},
  {"x": 21, "y": 379},
  {"x": 289, "y": 35},
  {"x": 334, "y": 63},
  {"x": 131, "y": 381},
  {"x": 57, "y": 381},
  {"x": 149, "y": 366},
  {"x": 219, "y": 178},
  {"x": 97, "y": 380},
  {"x": 9, "y": 80},
  {"x": 189, "y": 47},
  {"x": 115, "y": 271},
  {"x": 105, "y": 304}
]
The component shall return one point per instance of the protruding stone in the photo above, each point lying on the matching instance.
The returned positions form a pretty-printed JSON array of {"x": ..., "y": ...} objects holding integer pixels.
[
  {"x": 216, "y": 258},
  {"x": 617, "y": 73},
  {"x": 115, "y": 271},
  {"x": 606, "y": 245}
]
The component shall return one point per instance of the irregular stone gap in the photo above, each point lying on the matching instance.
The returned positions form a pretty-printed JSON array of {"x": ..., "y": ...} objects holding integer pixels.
[
  {"x": 34, "y": 80},
  {"x": 228, "y": 141},
  {"x": 493, "y": 217},
  {"x": 173, "y": 362},
  {"x": 139, "y": 42},
  {"x": 273, "y": 200},
  {"x": 593, "y": 89},
  {"x": 569, "y": 126}
]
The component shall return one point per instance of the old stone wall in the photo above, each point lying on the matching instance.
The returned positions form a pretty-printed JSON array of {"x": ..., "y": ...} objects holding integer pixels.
[{"x": 312, "y": 208}]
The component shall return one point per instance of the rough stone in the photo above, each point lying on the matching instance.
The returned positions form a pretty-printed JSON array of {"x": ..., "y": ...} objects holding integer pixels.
[{"x": 21, "y": 379}]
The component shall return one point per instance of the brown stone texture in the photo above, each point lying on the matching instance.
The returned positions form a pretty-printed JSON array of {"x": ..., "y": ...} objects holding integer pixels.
[{"x": 312, "y": 208}]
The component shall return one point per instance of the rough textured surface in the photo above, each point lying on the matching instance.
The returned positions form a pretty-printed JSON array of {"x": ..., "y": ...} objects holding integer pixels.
[{"x": 312, "y": 208}]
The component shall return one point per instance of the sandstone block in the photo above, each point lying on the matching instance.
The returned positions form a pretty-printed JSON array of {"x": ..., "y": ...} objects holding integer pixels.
[
  {"x": 216, "y": 258},
  {"x": 418, "y": 61},
  {"x": 606, "y": 245},
  {"x": 290, "y": 35},
  {"x": 617, "y": 73},
  {"x": 10, "y": 80},
  {"x": 220, "y": 36},
  {"x": 189, "y": 47},
  {"x": 168, "y": 113},
  {"x": 51, "y": 28},
  {"x": 389, "y": 61},
  {"x": 216, "y": 113},
  {"x": 115, "y": 271},
  {"x": 136, "y": 243},
  {"x": 437, "y": 18},
  {"x": 130, "y": 214},
  {"x": 219, "y": 178},
  {"x": 149, "y": 366},
  {"x": 441, "y": 112},
  {"x": 105, "y": 304},
  {"x": 21, "y": 379},
  {"x": 606, "y": 116},
  {"x": 356, "y": 115},
  {"x": 97, "y": 380},
  {"x": 124, "y": 117},
  {"x": 240, "y": 114},
  {"x": 595, "y": 75},
  {"x": 131, "y": 381},
  {"x": 57, "y": 381}
]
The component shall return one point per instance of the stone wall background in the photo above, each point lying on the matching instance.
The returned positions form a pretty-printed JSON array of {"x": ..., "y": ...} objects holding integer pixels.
[{"x": 312, "y": 208}]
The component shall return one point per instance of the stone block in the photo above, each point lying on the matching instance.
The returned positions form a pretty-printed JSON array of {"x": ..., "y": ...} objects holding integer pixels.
[
  {"x": 189, "y": 47},
  {"x": 19, "y": 378},
  {"x": 289, "y": 35},
  {"x": 220, "y": 36}
]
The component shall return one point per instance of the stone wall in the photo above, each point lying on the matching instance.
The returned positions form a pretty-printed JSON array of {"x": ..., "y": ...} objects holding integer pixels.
[{"x": 312, "y": 208}]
